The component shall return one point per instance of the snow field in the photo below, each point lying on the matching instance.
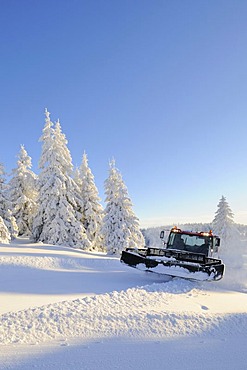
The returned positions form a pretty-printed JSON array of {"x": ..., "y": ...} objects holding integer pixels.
[{"x": 64, "y": 308}]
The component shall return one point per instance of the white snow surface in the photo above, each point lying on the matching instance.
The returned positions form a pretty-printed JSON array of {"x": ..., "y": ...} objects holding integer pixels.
[{"x": 63, "y": 308}]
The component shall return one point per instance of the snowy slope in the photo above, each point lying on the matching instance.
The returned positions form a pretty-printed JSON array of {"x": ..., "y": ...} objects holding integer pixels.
[{"x": 52, "y": 297}]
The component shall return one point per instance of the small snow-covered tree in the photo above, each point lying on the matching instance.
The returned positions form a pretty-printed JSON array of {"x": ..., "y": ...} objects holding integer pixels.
[
  {"x": 59, "y": 205},
  {"x": 5, "y": 206},
  {"x": 120, "y": 225},
  {"x": 4, "y": 202},
  {"x": 23, "y": 193},
  {"x": 10, "y": 222},
  {"x": 5, "y": 236},
  {"x": 92, "y": 211},
  {"x": 223, "y": 224}
]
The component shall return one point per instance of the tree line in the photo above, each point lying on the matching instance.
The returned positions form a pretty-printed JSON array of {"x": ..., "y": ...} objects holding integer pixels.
[{"x": 61, "y": 205}]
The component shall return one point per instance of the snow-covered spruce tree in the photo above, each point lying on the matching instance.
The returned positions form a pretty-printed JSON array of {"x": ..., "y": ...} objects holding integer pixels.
[
  {"x": 10, "y": 222},
  {"x": 92, "y": 212},
  {"x": 120, "y": 225},
  {"x": 5, "y": 236},
  {"x": 4, "y": 202},
  {"x": 223, "y": 224},
  {"x": 23, "y": 193},
  {"x": 43, "y": 178},
  {"x": 5, "y": 205},
  {"x": 59, "y": 205}
]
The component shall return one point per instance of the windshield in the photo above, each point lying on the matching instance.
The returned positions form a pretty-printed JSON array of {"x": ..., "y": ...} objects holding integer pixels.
[{"x": 191, "y": 243}]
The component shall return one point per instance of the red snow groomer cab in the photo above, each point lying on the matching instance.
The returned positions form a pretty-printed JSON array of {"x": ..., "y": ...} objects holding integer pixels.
[{"x": 186, "y": 254}]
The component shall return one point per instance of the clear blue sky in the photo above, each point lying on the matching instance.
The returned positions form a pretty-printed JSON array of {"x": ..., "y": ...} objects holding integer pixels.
[{"x": 159, "y": 85}]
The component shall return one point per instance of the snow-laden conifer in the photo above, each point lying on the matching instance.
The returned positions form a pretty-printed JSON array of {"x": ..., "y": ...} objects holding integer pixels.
[
  {"x": 223, "y": 220},
  {"x": 120, "y": 225},
  {"x": 23, "y": 193},
  {"x": 6, "y": 206},
  {"x": 5, "y": 236},
  {"x": 44, "y": 177},
  {"x": 223, "y": 224},
  {"x": 59, "y": 204},
  {"x": 92, "y": 212},
  {"x": 4, "y": 202},
  {"x": 10, "y": 222}
]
